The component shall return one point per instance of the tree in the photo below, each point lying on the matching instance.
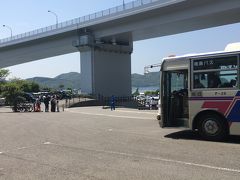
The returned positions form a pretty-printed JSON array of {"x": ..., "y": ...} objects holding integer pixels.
[
  {"x": 150, "y": 93},
  {"x": 26, "y": 86},
  {"x": 136, "y": 93},
  {"x": 61, "y": 86},
  {"x": 13, "y": 93},
  {"x": 14, "y": 90},
  {"x": 70, "y": 89},
  {"x": 46, "y": 89},
  {"x": 35, "y": 87},
  {"x": 3, "y": 74}
]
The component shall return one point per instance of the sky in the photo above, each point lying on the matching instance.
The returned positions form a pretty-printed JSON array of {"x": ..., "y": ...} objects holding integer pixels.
[{"x": 26, "y": 15}]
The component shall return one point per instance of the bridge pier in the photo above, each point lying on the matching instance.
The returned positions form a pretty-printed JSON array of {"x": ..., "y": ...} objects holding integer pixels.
[{"x": 106, "y": 69}]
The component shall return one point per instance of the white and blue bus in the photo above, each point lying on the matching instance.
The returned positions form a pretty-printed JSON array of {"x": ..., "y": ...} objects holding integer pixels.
[{"x": 202, "y": 92}]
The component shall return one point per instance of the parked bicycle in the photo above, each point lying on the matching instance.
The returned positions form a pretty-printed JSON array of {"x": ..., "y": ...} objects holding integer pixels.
[{"x": 23, "y": 107}]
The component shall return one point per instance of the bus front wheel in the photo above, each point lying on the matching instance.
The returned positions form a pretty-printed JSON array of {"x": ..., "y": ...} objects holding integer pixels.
[{"x": 212, "y": 127}]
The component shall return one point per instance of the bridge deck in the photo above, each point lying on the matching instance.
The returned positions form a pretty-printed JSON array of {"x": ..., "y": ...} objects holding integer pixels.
[{"x": 126, "y": 9}]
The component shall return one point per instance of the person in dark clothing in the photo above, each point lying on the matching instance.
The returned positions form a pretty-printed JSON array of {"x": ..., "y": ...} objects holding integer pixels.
[
  {"x": 57, "y": 103},
  {"x": 214, "y": 80},
  {"x": 53, "y": 104},
  {"x": 112, "y": 102},
  {"x": 46, "y": 103}
]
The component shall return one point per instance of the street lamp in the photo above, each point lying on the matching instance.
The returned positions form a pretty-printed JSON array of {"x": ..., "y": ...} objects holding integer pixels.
[
  {"x": 55, "y": 16},
  {"x": 123, "y": 4},
  {"x": 9, "y": 29}
]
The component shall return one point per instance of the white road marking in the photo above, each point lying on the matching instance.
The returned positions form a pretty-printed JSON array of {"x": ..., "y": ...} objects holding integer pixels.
[
  {"x": 145, "y": 157},
  {"x": 160, "y": 159},
  {"x": 137, "y": 112},
  {"x": 47, "y": 143},
  {"x": 27, "y": 147},
  {"x": 199, "y": 165},
  {"x": 96, "y": 114},
  {"x": 22, "y": 148},
  {"x": 174, "y": 161}
]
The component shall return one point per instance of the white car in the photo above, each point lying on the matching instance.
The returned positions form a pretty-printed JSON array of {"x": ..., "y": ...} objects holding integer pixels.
[
  {"x": 141, "y": 97},
  {"x": 154, "y": 102}
]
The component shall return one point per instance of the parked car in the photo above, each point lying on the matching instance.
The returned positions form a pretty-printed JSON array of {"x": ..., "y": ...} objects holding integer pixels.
[{"x": 141, "y": 97}]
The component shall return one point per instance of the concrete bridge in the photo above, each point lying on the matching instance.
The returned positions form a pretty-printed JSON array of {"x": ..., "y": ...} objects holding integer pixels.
[{"x": 105, "y": 39}]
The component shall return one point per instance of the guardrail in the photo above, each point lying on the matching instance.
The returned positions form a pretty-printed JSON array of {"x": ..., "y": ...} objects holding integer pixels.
[
  {"x": 95, "y": 100},
  {"x": 83, "y": 19}
]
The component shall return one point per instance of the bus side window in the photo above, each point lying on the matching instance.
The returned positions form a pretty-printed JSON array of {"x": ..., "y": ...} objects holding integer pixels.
[
  {"x": 213, "y": 80},
  {"x": 198, "y": 84},
  {"x": 233, "y": 82}
]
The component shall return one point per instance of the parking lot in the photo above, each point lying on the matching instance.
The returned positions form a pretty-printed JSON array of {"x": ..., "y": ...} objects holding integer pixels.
[{"x": 96, "y": 143}]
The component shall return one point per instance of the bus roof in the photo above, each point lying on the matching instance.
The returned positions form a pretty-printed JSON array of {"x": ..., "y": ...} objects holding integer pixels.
[
  {"x": 200, "y": 55},
  {"x": 232, "y": 48},
  {"x": 182, "y": 61}
]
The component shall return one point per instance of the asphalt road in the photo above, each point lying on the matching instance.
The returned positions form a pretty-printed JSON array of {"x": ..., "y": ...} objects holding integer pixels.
[{"x": 96, "y": 143}]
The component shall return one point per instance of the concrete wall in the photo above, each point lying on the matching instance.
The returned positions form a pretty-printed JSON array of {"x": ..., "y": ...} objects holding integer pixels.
[
  {"x": 112, "y": 73},
  {"x": 105, "y": 72},
  {"x": 86, "y": 71}
]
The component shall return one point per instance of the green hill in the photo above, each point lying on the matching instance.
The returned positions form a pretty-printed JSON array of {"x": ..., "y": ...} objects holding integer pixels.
[
  {"x": 150, "y": 79},
  {"x": 69, "y": 80},
  {"x": 72, "y": 80}
]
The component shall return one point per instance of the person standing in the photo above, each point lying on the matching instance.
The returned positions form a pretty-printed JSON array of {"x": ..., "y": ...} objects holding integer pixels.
[
  {"x": 53, "y": 104},
  {"x": 38, "y": 105},
  {"x": 57, "y": 103},
  {"x": 151, "y": 103},
  {"x": 112, "y": 102},
  {"x": 46, "y": 103}
]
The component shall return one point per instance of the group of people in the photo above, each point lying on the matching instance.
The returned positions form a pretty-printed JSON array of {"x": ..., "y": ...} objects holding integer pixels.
[{"x": 52, "y": 100}]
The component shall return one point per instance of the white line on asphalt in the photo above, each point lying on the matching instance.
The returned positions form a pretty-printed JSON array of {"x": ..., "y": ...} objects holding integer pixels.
[
  {"x": 27, "y": 147},
  {"x": 159, "y": 159},
  {"x": 129, "y": 117},
  {"x": 145, "y": 157},
  {"x": 46, "y": 143},
  {"x": 137, "y": 112},
  {"x": 199, "y": 165},
  {"x": 174, "y": 161}
]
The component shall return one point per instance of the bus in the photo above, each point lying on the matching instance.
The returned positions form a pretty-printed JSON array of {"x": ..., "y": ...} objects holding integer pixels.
[{"x": 201, "y": 92}]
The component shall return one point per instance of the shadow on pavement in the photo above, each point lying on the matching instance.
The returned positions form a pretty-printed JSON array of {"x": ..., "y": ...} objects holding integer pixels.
[{"x": 190, "y": 135}]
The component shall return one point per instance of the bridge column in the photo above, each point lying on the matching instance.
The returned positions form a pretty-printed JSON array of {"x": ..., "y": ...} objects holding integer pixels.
[{"x": 106, "y": 69}]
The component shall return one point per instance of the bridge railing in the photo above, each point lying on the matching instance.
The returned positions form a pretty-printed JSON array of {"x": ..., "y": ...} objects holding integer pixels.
[{"x": 84, "y": 19}]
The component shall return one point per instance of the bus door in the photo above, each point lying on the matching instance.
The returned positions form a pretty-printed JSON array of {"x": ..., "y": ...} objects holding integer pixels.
[{"x": 174, "y": 98}]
